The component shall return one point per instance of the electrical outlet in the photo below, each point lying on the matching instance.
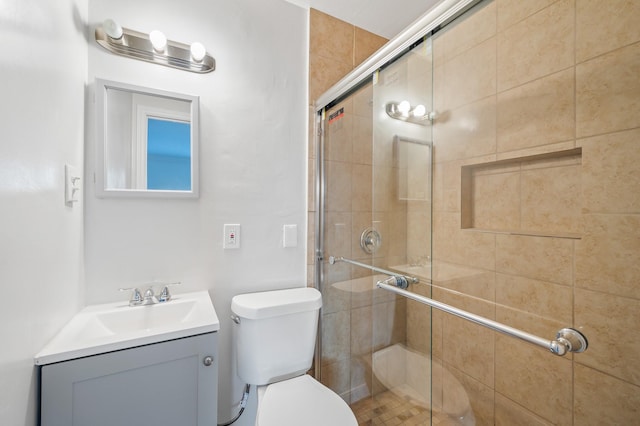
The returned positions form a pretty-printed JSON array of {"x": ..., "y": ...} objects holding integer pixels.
[{"x": 231, "y": 236}]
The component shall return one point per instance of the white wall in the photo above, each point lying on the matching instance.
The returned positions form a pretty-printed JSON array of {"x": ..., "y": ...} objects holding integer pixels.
[
  {"x": 252, "y": 165},
  {"x": 42, "y": 78}
]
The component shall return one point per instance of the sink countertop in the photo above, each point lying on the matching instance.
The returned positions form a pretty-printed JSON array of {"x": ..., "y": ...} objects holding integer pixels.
[{"x": 108, "y": 327}]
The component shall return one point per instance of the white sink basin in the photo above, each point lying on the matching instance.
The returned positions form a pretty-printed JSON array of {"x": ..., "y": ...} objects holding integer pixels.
[{"x": 113, "y": 326}]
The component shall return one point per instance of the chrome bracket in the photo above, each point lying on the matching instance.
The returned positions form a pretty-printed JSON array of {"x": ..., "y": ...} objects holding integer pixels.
[{"x": 568, "y": 340}]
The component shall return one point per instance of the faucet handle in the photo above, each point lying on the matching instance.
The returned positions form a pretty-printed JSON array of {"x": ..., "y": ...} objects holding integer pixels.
[
  {"x": 136, "y": 296},
  {"x": 165, "y": 294}
]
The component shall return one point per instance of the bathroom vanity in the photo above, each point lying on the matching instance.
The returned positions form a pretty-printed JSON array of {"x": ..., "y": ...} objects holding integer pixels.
[{"x": 145, "y": 365}]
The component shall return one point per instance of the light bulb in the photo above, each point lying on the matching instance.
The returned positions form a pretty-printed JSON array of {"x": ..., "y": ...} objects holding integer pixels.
[
  {"x": 158, "y": 40},
  {"x": 198, "y": 51},
  {"x": 404, "y": 107},
  {"x": 112, "y": 29},
  {"x": 419, "y": 111}
]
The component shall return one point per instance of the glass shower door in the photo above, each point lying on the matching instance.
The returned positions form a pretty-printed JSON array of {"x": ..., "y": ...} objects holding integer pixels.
[{"x": 402, "y": 366}]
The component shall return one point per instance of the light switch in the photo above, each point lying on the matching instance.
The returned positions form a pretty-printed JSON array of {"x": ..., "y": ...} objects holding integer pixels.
[
  {"x": 71, "y": 185},
  {"x": 290, "y": 236},
  {"x": 231, "y": 236}
]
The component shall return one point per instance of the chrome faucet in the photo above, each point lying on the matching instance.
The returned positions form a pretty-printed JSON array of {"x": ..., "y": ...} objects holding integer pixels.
[{"x": 149, "y": 297}]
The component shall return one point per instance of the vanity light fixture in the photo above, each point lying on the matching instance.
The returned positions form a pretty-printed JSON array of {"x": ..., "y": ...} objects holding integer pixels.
[
  {"x": 198, "y": 51},
  {"x": 153, "y": 47},
  {"x": 413, "y": 114},
  {"x": 158, "y": 41}
]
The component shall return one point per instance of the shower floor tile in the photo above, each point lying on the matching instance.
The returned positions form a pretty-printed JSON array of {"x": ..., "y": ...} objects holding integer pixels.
[{"x": 389, "y": 409}]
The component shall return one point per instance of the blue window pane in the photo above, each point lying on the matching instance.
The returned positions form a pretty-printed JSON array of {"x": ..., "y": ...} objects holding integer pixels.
[{"x": 168, "y": 155}]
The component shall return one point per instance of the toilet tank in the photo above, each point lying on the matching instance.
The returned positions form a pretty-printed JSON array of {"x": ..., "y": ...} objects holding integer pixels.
[{"x": 276, "y": 334}]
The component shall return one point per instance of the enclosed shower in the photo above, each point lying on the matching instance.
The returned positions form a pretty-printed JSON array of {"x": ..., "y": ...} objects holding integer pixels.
[{"x": 451, "y": 244}]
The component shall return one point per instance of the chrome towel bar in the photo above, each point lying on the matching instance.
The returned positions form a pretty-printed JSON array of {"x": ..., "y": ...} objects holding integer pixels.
[
  {"x": 409, "y": 279},
  {"x": 567, "y": 339}
]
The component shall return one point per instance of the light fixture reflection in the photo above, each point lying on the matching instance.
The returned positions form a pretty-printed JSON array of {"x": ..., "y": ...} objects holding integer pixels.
[{"x": 405, "y": 112}]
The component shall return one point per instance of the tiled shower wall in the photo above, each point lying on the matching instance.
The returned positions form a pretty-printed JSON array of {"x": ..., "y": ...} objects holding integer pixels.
[
  {"x": 337, "y": 47},
  {"x": 550, "y": 239}
]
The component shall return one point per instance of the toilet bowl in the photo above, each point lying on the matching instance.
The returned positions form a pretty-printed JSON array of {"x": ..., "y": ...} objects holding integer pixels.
[
  {"x": 301, "y": 401},
  {"x": 275, "y": 340}
]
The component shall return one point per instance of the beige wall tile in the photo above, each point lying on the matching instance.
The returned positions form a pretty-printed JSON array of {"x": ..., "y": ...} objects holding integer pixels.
[
  {"x": 604, "y": 400},
  {"x": 419, "y": 236},
  {"x": 365, "y": 45},
  {"x": 336, "y": 337},
  {"x": 541, "y": 298},
  {"x": 336, "y": 376},
  {"x": 480, "y": 396},
  {"x": 610, "y": 173},
  {"x": 418, "y": 327},
  {"x": 538, "y": 46},
  {"x": 339, "y": 138},
  {"x": 535, "y": 379},
  {"x": 360, "y": 377},
  {"x": 361, "y": 330},
  {"x": 330, "y": 37},
  {"x": 361, "y": 188},
  {"x": 469, "y": 348},
  {"x": 543, "y": 149},
  {"x": 463, "y": 247},
  {"x": 362, "y": 137},
  {"x": 466, "y": 132},
  {"x": 605, "y": 26},
  {"x": 537, "y": 113},
  {"x": 546, "y": 327},
  {"x": 512, "y": 11},
  {"x": 389, "y": 324},
  {"x": 323, "y": 73},
  {"x": 509, "y": 413},
  {"x": 338, "y": 234},
  {"x": 603, "y": 318},
  {"x": 338, "y": 177},
  {"x": 437, "y": 333},
  {"x": 608, "y": 256},
  {"x": 459, "y": 89},
  {"x": 608, "y": 92},
  {"x": 383, "y": 192},
  {"x": 540, "y": 258},
  {"x": 469, "y": 31},
  {"x": 495, "y": 202},
  {"x": 363, "y": 101},
  {"x": 551, "y": 199}
]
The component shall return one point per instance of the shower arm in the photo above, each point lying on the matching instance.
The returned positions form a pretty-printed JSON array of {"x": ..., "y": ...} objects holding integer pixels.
[
  {"x": 567, "y": 339},
  {"x": 407, "y": 278}
]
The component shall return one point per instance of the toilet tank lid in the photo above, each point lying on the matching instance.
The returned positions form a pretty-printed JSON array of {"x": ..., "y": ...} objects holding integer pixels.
[{"x": 275, "y": 303}]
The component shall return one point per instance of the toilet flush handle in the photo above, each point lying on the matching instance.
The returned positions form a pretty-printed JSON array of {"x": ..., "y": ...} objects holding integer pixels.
[{"x": 235, "y": 318}]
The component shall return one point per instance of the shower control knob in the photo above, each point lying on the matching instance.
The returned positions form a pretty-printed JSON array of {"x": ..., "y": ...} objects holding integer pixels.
[{"x": 207, "y": 361}]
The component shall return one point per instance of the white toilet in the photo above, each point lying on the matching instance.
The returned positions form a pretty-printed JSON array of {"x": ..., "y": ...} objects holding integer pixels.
[{"x": 275, "y": 339}]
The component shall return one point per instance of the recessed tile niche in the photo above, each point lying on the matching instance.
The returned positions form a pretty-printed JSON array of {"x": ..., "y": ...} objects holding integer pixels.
[{"x": 532, "y": 195}]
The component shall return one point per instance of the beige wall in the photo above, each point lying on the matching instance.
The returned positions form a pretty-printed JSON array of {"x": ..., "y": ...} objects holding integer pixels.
[
  {"x": 553, "y": 239},
  {"x": 536, "y": 206},
  {"x": 337, "y": 47}
]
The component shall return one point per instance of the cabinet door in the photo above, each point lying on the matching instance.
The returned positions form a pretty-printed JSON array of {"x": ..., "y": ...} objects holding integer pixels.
[{"x": 163, "y": 384}]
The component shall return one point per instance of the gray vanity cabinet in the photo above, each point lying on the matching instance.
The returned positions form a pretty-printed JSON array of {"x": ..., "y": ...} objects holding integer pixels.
[{"x": 163, "y": 384}]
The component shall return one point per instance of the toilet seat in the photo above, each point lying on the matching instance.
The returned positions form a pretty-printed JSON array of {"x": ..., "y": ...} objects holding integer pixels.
[{"x": 301, "y": 401}]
